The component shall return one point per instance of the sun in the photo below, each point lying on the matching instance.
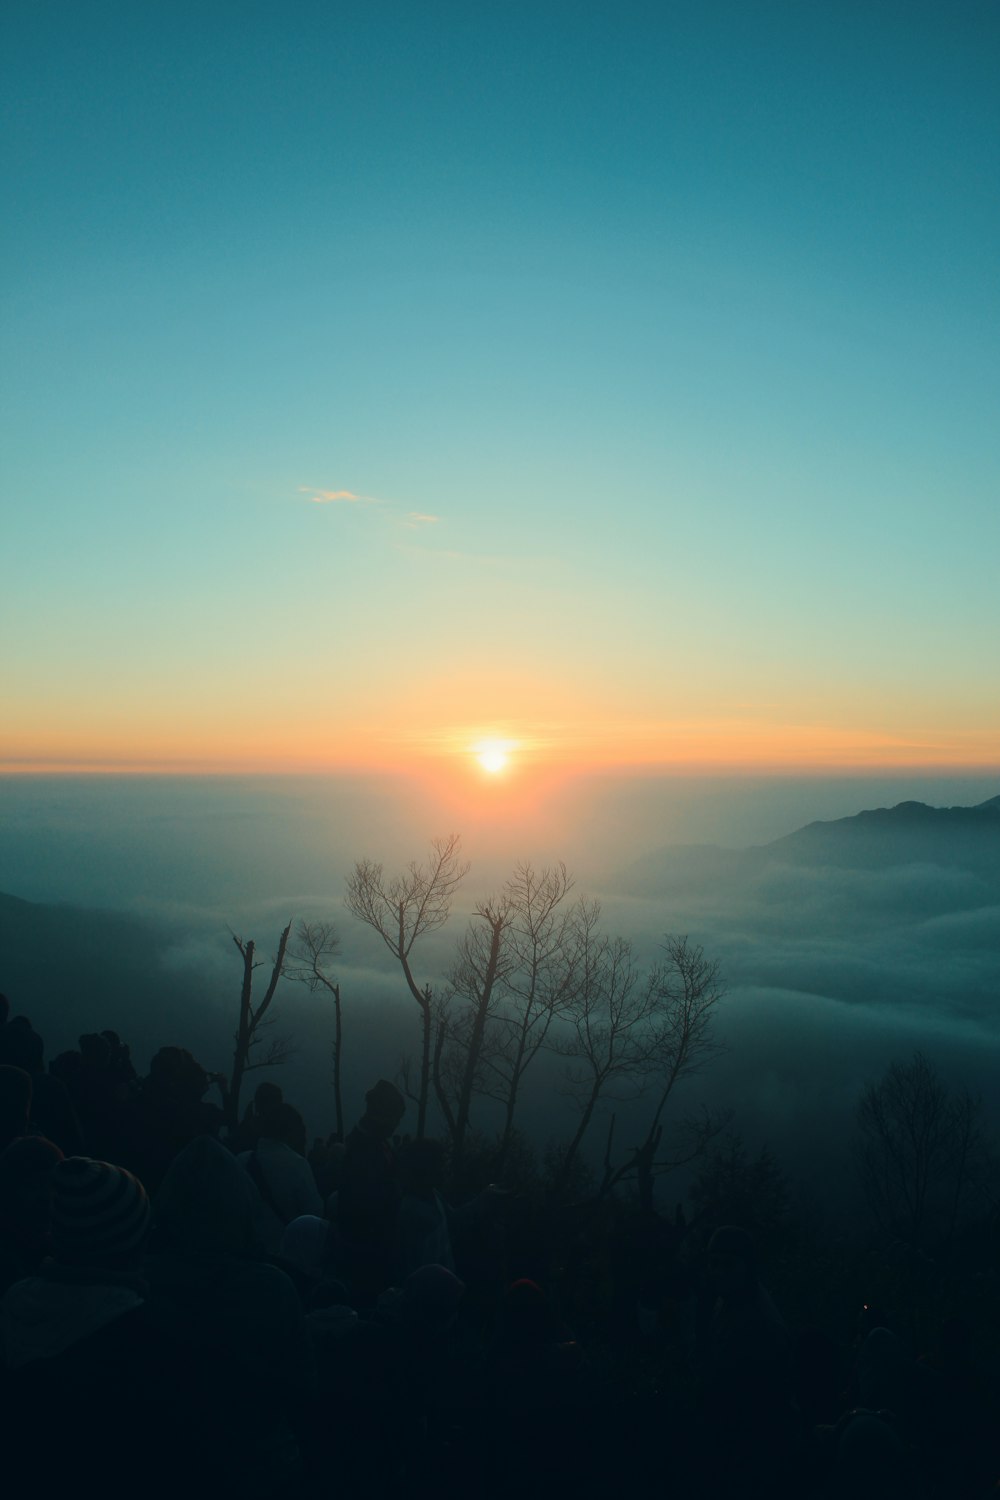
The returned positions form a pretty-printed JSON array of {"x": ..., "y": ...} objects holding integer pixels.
[
  {"x": 493, "y": 756},
  {"x": 492, "y": 761}
]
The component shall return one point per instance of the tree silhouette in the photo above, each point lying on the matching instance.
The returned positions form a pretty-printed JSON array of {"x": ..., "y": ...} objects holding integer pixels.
[
  {"x": 316, "y": 943},
  {"x": 253, "y": 1022},
  {"x": 610, "y": 1040},
  {"x": 921, "y": 1151},
  {"x": 402, "y": 909},
  {"x": 514, "y": 973},
  {"x": 685, "y": 989}
]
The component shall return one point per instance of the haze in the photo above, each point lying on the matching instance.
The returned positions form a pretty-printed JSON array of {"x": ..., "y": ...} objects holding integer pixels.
[{"x": 831, "y": 972}]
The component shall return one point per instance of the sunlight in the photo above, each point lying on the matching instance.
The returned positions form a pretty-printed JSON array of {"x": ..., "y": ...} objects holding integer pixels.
[
  {"x": 493, "y": 755},
  {"x": 492, "y": 760}
]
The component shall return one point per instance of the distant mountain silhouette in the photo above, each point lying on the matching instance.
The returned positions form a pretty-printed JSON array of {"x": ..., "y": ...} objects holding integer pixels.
[{"x": 911, "y": 833}]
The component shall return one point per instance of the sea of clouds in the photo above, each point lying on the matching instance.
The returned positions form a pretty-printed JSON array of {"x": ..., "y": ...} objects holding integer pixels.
[{"x": 137, "y": 886}]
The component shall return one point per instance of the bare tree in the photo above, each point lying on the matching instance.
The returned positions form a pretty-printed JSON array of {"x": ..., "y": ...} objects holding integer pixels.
[
  {"x": 315, "y": 945},
  {"x": 253, "y": 1022},
  {"x": 685, "y": 989},
  {"x": 515, "y": 971},
  {"x": 402, "y": 909},
  {"x": 542, "y": 977},
  {"x": 481, "y": 964},
  {"x": 609, "y": 1041},
  {"x": 921, "y": 1151}
]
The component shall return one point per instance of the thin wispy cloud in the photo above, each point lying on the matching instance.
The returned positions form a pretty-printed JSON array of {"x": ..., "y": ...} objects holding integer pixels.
[
  {"x": 336, "y": 497},
  {"x": 392, "y": 519},
  {"x": 410, "y": 520}
]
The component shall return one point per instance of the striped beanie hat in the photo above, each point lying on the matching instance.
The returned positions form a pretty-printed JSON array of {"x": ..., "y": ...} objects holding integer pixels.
[{"x": 99, "y": 1212}]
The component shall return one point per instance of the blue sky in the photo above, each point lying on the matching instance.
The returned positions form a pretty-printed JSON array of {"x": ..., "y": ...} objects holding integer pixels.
[{"x": 660, "y": 343}]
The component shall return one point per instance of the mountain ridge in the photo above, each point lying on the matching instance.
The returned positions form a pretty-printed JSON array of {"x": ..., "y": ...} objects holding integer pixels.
[{"x": 908, "y": 833}]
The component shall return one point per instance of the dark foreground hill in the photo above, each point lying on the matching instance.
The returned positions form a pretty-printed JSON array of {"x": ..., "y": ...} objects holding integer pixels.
[
  {"x": 161, "y": 981},
  {"x": 75, "y": 969}
]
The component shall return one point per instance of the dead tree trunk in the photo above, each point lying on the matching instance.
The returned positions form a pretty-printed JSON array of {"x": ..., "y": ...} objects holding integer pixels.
[
  {"x": 251, "y": 1019},
  {"x": 337, "y": 1033}
]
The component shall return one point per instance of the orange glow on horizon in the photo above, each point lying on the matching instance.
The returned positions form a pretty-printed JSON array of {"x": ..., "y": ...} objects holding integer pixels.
[{"x": 496, "y": 757}]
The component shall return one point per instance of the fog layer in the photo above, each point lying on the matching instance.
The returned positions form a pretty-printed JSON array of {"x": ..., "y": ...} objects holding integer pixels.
[{"x": 835, "y": 963}]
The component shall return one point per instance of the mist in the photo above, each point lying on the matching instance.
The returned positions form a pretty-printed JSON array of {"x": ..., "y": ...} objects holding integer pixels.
[
  {"x": 216, "y": 841},
  {"x": 831, "y": 972}
]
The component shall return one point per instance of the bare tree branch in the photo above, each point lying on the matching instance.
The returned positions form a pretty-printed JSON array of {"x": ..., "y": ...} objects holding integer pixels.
[
  {"x": 514, "y": 973},
  {"x": 921, "y": 1151},
  {"x": 402, "y": 909},
  {"x": 684, "y": 991},
  {"x": 316, "y": 946}
]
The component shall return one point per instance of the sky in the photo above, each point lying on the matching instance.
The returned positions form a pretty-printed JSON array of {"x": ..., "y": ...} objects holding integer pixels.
[{"x": 617, "y": 383}]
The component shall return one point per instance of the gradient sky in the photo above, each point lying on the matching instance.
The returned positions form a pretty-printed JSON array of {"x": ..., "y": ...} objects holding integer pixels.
[{"x": 619, "y": 380}]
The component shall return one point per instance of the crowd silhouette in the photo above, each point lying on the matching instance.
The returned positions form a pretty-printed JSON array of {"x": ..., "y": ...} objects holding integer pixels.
[{"x": 190, "y": 1307}]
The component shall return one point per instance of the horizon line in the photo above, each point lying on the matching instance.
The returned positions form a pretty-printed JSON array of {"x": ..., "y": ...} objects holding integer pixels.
[{"x": 643, "y": 768}]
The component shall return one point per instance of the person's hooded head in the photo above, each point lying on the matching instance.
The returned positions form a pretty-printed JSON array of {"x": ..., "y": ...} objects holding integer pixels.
[
  {"x": 431, "y": 1296},
  {"x": 21, "y": 1046},
  {"x": 304, "y": 1245},
  {"x": 429, "y": 1300},
  {"x": 205, "y": 1202},
  {"x": 26, "y": 1168},
  {"x": 95, "y": 1049},
  {"x": 100, "y": 1213},
  {"x": 175, "y": 1071},
  {"x": 285, "y": 1124},
  {"x": 384, "y": 1108},
  {"x": 15, "y": 1103},
  {"x": 266, "y": 1098}
]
